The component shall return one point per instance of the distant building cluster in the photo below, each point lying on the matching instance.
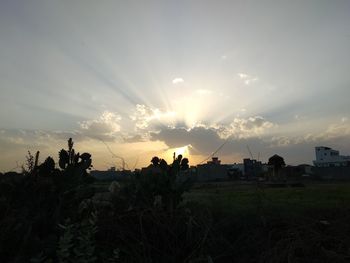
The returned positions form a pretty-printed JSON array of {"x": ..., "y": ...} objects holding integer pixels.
[
  {"x": 111, "y": 174},
  {"x": 329, "y": 164}
]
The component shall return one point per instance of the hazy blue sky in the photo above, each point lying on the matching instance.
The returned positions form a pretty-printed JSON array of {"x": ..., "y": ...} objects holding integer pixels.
[{"x": 151, "y": 77}]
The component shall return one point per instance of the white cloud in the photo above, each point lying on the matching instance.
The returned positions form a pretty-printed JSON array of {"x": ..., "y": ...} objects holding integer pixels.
[
  {"x": 245, "y": 128},
  {"x": 335, "y": 130},
  {"x": 144, "y": 116},
  {"x": 247, "y": 79},
  {"x": 332, "y": 132},
  {"x": 279, "y": 141},
  {"x": 105, "y": 127},
  {"x": 242, "y": 75},
  {"x": 178, "y": 80},
  {"x": 239, "y": 128}
]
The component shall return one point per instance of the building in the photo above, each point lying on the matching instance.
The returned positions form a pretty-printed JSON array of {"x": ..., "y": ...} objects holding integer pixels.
[
  {"x": 296, "y": 171},
  {"x": 235, "y": 171},
  {"x": 111, "y": 174},
  {"x": 252, "y": 168},
  {"x": 327, "y": 157},
  {"x": 212, "y": 171},
  {"x": 214, "y": 160}
]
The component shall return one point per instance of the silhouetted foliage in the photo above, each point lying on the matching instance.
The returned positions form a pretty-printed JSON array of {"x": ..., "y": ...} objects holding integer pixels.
[
  {"x": 184, "y": 164},
  {"x": 33, "y": 203},
  {"x": 155, "y": 161},
  {"x": 277, "y": 162},
  {"x": 163, "y": 165},
  {"x": 55, "y": 215},
  {"x": 52, "y": 214},
  {"x": 30, "y": 163},
  {"x": 47, "y": 167},
  {"x": 68, "y": 158}
]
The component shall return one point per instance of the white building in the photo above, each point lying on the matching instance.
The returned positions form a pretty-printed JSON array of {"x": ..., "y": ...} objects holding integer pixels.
[{"x": 327, "y": 157}]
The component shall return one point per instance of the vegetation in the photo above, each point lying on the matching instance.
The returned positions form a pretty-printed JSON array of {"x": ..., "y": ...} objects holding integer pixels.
[
  {"x": 34, "y": 203},
  {"x": 50, "y": 214}
]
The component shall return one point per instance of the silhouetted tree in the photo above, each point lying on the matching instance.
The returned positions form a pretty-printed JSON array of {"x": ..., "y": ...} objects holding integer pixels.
[
  {"x": 184, "y": 164},
  {"x": 155, "y": 161},
  {"x": 175, "y": 167},
  {"x": 47, "y": 167},
  {"x": 277, "y": 162},
  {"x": 163, "y": 165},
  {"x": 31, "y": 165}
]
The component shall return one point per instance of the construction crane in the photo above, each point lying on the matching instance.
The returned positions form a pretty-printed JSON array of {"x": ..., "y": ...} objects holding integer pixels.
[
  {"x": 250, "y": 153},
  {"x": 124, "y": 164},
  {"x": 215, "y": 152}
]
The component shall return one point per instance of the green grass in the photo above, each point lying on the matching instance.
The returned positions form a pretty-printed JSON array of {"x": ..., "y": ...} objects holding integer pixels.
[
  {"x": 307, "y": 224},
  {"x": 247, "y": 223},
  {"x": 283, "y": 200}
]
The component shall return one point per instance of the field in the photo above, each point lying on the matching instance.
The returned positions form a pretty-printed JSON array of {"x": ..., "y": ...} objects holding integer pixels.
[
  {"x": 289, "y": 224},
  {"x": 251, "y": 222},
  {"x": 231, "y": 197}
]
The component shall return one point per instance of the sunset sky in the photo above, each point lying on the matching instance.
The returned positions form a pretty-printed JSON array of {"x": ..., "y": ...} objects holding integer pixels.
[{"x": 149, "y": 78}]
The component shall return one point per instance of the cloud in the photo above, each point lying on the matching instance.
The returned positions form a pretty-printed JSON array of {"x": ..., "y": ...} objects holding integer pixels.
[
  {"x": 105, "y": 127},
  {"x": 245, "y": 128},
  {"x": 206, "y": 138},
  {"x": 146, "y": 117},
  {"x": 242, "y": 75},
  {"x": 134, "y": 138},
  {"x": 17, "y": 142},
  {"x": 178, "y": 80},
  {"x": 202, "y": 140},
  {"x": 27, "y": 139},
  {"x": 334, "y": 131},
  {"x": 332, "y": 134},
  {"x": 247, "y": 79}
]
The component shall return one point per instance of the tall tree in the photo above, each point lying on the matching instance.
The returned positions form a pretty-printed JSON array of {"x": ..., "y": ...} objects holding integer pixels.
[{"x": 277, "y": 162}]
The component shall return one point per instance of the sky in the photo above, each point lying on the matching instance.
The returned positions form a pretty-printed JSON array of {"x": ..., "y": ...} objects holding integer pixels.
[{"x": 136, "y": 79}]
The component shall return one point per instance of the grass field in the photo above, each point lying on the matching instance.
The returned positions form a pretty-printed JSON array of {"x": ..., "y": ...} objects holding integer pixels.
[
  {"x": 230, "y": 197},
  {"x": 233, "y": 197},
  {"x": 257, "y": 224}
]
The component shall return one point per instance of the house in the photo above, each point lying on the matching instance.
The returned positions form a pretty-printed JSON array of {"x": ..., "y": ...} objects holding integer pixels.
[
  {"x": 212, "y": 171},
  {"x": 296, "y": 172},
  {"x": 252, "y": 168},
  {"x": 327, "y": 157}
]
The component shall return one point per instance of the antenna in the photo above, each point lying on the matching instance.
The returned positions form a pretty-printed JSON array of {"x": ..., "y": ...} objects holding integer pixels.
[
  {"x": 116, "y": 156},
  {"x": 250, "y": 153},
  {"x": 211, "y": 155}
]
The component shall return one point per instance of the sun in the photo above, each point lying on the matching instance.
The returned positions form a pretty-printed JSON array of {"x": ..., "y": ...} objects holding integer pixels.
[
  {"x": 184, "y": 151},
  {"x": 181, "y": 150}
]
